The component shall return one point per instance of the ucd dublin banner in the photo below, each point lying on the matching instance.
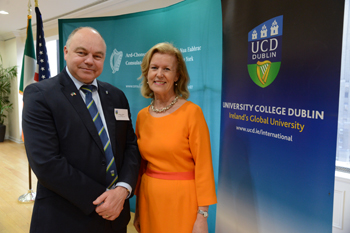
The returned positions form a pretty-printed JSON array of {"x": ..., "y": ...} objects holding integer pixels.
[
  {"x": 194, "y": 26},
  {"x": 281, "y": 76}
]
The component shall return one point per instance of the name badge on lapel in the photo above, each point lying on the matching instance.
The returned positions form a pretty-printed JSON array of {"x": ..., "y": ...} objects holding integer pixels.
[{"x": 121, "y": 114}]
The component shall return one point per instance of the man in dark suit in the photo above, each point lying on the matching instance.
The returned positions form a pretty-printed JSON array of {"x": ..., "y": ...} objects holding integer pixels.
[{"x": 65, "y": 151}]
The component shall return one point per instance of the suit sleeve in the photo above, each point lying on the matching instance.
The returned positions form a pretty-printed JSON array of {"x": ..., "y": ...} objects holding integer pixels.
[{"x": 44, "y": 151}]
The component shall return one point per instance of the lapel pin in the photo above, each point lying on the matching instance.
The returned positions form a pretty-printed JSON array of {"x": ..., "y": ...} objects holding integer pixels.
[
  {"x": 72, "y": 94},
  {"x": 106, "y": 92}
]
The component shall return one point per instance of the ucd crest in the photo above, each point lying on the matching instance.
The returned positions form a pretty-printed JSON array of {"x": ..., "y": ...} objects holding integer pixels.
[
  {"x": 115, "y": 60},
  {"x": 264, "y": 51}
]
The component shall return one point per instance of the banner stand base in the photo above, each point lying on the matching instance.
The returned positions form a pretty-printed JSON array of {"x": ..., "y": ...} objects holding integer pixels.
[{"x": 28, "y": 197}]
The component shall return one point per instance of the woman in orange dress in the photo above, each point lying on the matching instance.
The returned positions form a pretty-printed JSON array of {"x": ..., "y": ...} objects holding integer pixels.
[{"x": 176, "y": 181}]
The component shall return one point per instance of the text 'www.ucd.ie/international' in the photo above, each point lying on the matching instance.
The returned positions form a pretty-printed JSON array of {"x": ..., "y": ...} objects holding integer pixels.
[{"x": 265, "y": 133}]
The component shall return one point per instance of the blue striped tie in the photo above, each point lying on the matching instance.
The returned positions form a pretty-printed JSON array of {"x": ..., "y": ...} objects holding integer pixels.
[{"x": 111, "y": 170}]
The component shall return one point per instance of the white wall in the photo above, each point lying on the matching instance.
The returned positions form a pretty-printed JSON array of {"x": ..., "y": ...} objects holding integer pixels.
[
  {"x": 8, "y": 51},
  {"x": 341, "y": 209},
  {"x": 12, "y": 130}
]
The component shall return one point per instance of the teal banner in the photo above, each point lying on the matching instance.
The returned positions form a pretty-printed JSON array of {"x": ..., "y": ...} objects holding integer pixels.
[{"x": 193, "y": 26}]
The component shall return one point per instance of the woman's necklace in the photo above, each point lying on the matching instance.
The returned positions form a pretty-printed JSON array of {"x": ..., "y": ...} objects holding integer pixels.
[{"x": 165, "y": 108}]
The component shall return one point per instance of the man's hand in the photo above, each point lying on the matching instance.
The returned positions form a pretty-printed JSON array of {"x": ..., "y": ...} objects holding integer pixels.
[{"x": 111, "y": 203}]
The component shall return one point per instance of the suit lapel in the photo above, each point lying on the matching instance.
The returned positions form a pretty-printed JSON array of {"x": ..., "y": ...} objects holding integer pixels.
[{"x": 73, "y": 96}]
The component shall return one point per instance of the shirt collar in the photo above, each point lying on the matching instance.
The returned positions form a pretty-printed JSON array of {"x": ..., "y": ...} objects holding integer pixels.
[{"x": 77, "y": 83}]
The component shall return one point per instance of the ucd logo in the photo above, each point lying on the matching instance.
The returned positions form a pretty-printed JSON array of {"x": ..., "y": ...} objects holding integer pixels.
[{"x": 264, "y": 51}]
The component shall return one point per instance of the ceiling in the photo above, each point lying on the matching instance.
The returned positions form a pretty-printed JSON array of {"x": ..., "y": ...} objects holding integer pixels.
[{"x": 14, "y": 24}]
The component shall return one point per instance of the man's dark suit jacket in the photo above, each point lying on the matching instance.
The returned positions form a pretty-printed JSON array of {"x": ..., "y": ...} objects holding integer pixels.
[{"x": 66, "y": 154}]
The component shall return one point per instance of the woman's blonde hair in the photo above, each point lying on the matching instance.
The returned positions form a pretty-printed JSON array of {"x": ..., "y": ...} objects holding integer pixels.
[{"x": 165, "y": 48}]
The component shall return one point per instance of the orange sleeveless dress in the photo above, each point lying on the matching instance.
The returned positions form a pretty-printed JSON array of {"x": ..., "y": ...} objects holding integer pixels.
[{"x": 176, "y": 172}]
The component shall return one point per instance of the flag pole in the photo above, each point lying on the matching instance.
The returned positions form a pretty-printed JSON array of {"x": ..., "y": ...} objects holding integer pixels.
[{"x": 28, "y": 197}]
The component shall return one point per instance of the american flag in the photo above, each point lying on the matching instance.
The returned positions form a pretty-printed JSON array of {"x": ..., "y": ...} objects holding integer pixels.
[{"x": 42, "y": 62}]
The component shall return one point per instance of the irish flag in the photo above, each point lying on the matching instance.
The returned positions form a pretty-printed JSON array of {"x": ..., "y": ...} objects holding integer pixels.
[{"x": 29, "y": 61}]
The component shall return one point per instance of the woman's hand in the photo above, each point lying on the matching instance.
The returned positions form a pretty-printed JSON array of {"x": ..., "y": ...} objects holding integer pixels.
[
  {"x": 201, "y": 224},
  {"x": 137, "y": 218},
  {"x": 137, "y": 222}
]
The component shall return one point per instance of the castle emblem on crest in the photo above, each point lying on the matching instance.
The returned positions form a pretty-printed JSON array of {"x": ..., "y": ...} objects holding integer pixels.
[
  {"x": 115, "y": 60},
  {"x": 274, "y": 28},
  {"x": 263, "y": 32}
]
